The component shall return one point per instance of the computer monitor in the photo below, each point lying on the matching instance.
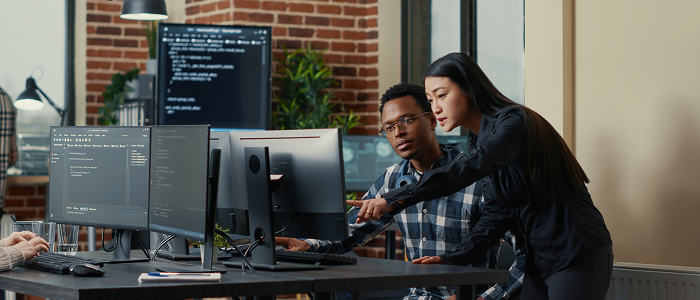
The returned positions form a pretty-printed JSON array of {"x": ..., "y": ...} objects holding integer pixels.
[
  {"x": 98, "y": 176},
  {"x": 182, "y": 190},
  {"x": 312, "y": 187},
  {"x": 213, "y": 74}
]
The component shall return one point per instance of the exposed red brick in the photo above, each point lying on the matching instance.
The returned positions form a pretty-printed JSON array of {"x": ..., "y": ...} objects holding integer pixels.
[
  {"x": 246, "y": 4},
  {"x": 109, "y": 7},
  {"x": 109, "y": 30},
  {"x": 301, "y": 32},
  {"x": 13, "y": 203},
  {"x": 100, "y": 99},
  {"x": 137, "y": 55},
  {"x": 327, "y": 34},
  {"x": 274, "y": 5},
  {"x": 355, "y": 59},
  {"x": 118, "y": 20},
  {"x": 317, "y": 45},
  {"x": 343, "y": 22},
  {"x": 192, "y": 10},
  {"x": 24, "y": 215},
  {"x": 329, "y": 9},
  {"x": 208, "y": 7},
  {"x": 92, "y": 109},
  {"x": 98, "y": 76},
  {"x": 109, "y": 53},
  {"x": 91, "y": 121},
  {"x": 240, "y": 16},
  {"x": 91, "y": 6},
  {"x": 95, "y": 87},
  {"x": 124, "y": 66},
  {"x": 344, "y": 96},
  {"x": 367, "y": 96},
  {"x": 279, "y": 31},
  {"x": 354, "y": 11},
  {"x": 369, "y": 120},
  {"x": 126, "y": 43},
  {"x": 257, "y": 17},
  {"x": 346, "y": 1},
  {"x": 367, "y": 47},
  {"x": 372, "y": 59},
  {"x": 372, "y": 11},
  {"x": 348, "y": 47},
  {"x": 91, "y": 29},
  {"x": 99, "y": 18},
  {"x": 133, "y": 31},
  {"x": 21, "y": 191},
  {"x": 365, "y": 23},
  {"x": 224, "y": 4},
  {"x": 321, "y": 21},
  {"x": 336, "y": 85},
  {"x": 372, "y": 35},
  {"x": 361, "y": 107},
  {"x": 368, "y": 1},
  {"x": 98, "y": 64},
  {"x": 143, "y": 44},
  {"x": 201, "y": 20},
  {"x": 289, "y": 44},
  {"x": 344, "y": 71},
  {"x": 277, "y": 54},
  {"x": 142, "y": 66},
  {"x": 355, "y": 84},
  {"x": 369, "y": 72},
  {"x": 216, "y": 18},
  {"x": 333, "y": 58},
  {"x": 36, "y": 202},
  {"x": 354, "y": 35},
  {"x": 301, "y": 7},
  {"x": 289, "y": 19},
  {"x": 229, "y": 16}
]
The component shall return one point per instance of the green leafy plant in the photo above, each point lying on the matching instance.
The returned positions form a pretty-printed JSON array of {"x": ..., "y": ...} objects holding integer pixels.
[
  {"x": 150, "y": 31},
  {"x": 114, "y": 96},
  {"x": 219, "y": 241},
  {"x": 303, "y": 101}
]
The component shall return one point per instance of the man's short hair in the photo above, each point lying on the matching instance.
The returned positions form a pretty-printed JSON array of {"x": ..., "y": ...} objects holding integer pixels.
[{"x": 405, "y": 89}]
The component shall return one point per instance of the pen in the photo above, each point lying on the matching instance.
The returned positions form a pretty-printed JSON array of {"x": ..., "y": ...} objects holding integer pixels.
[{"x": 168, "y": 274}]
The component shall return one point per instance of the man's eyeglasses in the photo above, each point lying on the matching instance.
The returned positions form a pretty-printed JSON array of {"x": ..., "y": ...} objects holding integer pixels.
[{"x": 404, "y": 124}]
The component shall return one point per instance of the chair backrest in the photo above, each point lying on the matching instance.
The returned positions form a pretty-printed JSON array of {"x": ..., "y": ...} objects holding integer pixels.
[{"x": 6, "y": 225}]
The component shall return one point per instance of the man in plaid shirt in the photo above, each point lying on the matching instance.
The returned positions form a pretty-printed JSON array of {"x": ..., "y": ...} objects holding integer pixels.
[{"x": 428, "y": 228}]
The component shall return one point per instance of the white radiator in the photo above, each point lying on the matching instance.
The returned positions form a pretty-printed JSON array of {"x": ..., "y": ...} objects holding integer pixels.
[{"x": 632, "y": 281}]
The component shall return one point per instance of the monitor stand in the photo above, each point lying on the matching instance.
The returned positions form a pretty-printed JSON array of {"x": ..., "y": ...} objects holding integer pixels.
[
  {"x": 260, "y": 214},
  {"x": 213, "y": 188},
  {"x": 122, "y": 252}
]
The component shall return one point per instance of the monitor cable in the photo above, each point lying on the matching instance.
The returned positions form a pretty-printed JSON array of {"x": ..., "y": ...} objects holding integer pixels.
[
  {"x": 160, "y": 245},
  {"x": 286, "y": 227},
  {"x": 141, "y": 245},
  {"x": 243, "y": 255},
  {"x": 116, "y": 241}
]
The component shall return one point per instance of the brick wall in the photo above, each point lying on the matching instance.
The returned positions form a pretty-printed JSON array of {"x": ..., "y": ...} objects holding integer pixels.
[
  {"x": 347, "y": 28},
  {"x": 113, "y": 45}
]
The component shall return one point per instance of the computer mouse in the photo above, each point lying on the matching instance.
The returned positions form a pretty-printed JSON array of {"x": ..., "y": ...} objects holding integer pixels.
[{"x": 87, "y": 270}]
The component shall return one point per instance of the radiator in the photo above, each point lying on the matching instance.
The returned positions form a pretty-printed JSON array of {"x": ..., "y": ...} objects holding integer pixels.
[{"x": 632, "y": 281}]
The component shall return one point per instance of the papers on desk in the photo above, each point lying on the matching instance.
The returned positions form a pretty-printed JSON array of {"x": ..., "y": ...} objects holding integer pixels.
[{"x": 165, "y": 277}]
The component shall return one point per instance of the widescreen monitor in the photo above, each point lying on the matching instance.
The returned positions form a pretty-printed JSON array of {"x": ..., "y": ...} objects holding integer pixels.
[
  {"x": 213, "y": 74},
  {"x": 98, "y": 177},
  {"x": 310, "y": 203}
]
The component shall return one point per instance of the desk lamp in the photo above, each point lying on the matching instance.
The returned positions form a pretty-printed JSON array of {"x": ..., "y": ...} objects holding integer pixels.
[
  {"x": 144, "y": 10},
  {"x": 29, "y": 100}
]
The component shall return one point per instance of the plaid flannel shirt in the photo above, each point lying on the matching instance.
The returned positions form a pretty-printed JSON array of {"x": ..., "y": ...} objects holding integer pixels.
[
  {"x": 428, "y": 228},
  {"x": 7, "y": 134}
]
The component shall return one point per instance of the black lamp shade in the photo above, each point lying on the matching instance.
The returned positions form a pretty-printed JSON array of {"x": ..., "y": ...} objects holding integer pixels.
[
  {"x": 29, "y": 99},
  {"x": 144, "y": 10}
]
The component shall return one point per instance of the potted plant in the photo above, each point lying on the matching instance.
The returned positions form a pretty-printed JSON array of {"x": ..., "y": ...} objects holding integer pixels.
[
  {"x": 303, "y": 101},
  {"x": 114, "y": 95},
  {"x": 150, "y": 31},
  {"x": 219, "y": 242}
]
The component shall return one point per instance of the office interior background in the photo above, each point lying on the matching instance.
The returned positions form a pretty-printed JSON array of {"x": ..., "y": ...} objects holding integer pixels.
[{"x": 618, "y": 79}]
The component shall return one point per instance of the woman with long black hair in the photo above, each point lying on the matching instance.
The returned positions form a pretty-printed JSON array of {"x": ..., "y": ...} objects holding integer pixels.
[{"x": 528, "y": 177}]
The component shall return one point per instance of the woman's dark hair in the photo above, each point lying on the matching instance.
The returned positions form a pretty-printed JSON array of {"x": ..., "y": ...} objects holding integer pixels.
[
  {"x": 553, "y": 167},
  {"x": 405, "y": 89}
]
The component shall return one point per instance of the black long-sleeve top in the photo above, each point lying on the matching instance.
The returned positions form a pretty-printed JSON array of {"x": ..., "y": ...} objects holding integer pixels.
[{"x": 556, "y": 229}]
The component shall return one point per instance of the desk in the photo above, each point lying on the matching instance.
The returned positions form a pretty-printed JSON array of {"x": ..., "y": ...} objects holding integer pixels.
[{"x": 120, "y": 281}]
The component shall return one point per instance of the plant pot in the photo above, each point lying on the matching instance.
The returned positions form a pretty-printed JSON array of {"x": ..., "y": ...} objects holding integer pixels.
[
  {"x": 214, "y": 254},
  {"x": 151, "y": 66}
]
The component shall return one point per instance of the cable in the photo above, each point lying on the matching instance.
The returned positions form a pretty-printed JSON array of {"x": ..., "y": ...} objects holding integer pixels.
[
  {"x": 286, "y": 227},
  {"x": 141, "y": 245},
  {"x": 230, "y": 241},
  {"x": 252, "y": 246},
  {"x": 162, "y": 243},
  {"x": 116, "y": 241}
]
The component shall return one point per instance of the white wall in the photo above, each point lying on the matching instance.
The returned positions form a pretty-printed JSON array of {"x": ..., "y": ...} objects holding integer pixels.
[{"x": 33, "y": 39}]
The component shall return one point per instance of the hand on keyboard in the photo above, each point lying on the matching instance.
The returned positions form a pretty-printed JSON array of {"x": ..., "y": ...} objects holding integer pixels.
[
  {"x": 292, "y": 244},
  {"x": 27, "y": 242}
]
